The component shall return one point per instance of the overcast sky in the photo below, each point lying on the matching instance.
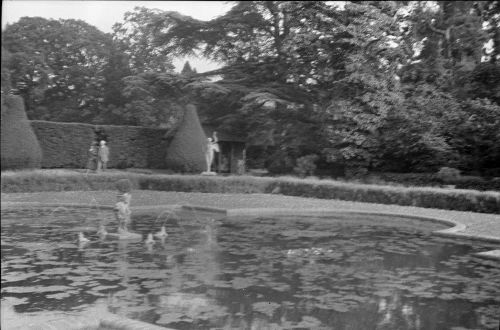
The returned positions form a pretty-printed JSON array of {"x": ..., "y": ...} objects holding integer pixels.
[{"x": 103, "y": 14}]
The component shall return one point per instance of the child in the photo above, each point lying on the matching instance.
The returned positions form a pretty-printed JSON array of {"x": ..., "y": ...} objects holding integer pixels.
[
  {"x": 122, "y": 207},
  {"x": 103, "y": 158},
  {"x": 92, "y": 153}
]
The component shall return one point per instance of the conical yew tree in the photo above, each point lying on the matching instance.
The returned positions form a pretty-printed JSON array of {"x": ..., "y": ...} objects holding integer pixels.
[
  {"x": 186, "y": 152},
  {"x": 19, "y": 145}
]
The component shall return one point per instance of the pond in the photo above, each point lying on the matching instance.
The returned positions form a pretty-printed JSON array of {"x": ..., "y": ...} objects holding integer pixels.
[{"x": 345, "y": 272}]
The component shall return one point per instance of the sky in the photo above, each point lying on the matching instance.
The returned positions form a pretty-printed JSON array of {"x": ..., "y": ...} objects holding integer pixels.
[{"x": 103, "y": 14}]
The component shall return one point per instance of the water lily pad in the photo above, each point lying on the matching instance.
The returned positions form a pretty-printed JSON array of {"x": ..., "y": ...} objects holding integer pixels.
[
  {"x": 56, "y": 271},
  {"x": 61, "y": 295},
  {"x": 307, "y": 234},
  {"x": 242, "y": 282},
  {"x": 265, "y": 307},
  {"x": 309, "y": 322},
  {"x": 34, "y": 289},
  {"x": 16, "y": 276},
  {"x": 170, "y": 317}
]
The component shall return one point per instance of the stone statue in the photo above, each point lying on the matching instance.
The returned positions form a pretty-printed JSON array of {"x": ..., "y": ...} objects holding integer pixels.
[
  {"x": 122, "y": 211},
  {"x": 212, "y": 147}
]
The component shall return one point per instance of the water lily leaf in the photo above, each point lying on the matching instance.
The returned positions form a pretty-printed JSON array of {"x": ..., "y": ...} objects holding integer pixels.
[
  {"x": 34, "y": 289},
  {"x": 242, "y": 282},
  {"x": 61, "y": 295},
  {"x": 170, "y": 317},
  {"x": 265, "y": 307}
]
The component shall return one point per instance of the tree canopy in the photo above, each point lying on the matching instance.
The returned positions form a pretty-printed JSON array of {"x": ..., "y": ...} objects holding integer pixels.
[
  {"x": 57, "y": 66},
  {"x": 400, "y": 86}
]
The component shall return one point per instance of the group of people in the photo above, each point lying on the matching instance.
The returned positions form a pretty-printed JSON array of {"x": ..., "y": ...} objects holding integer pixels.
[{"x": 98, "y": 156}]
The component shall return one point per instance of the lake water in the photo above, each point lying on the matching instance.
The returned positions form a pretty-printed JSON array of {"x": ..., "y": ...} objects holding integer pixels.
[{"x": 263, "y": 273}]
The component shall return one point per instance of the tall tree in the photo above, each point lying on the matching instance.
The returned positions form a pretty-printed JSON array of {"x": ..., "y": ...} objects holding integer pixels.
[
  {"x": 57, "y": 66},
  {"x": 136, "y": 40},
  {"x": 187, "y": 70},
  {"x": 449, "y": 70}
]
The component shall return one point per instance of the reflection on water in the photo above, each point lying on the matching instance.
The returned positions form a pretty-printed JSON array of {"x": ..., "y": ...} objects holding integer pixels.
[{"x": 242, "y": 274}]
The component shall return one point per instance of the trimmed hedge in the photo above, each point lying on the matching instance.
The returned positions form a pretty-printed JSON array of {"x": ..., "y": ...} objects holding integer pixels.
[
  {"x": 19, "y": 145},
  {"x": 65, "y": 145},
  {"x": 61, "y": 180},
  {"x": 431, "y": 179},
  {"x": 450, "y": 199},
  {"x": 477, "y": 183},
  {"x": 186, "y": 152}
]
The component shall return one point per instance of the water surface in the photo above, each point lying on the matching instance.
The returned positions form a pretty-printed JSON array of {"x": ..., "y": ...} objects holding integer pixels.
[{"x": 250, "y": 273}]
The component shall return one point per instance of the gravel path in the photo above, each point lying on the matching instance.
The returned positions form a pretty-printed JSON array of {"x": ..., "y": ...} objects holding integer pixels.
[{"x": 475, "y": 225}]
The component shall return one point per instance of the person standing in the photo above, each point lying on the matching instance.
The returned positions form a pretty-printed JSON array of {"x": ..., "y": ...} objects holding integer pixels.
[
  {"x": 103, "y": 158},
  {"x": 92, "y": 154}
]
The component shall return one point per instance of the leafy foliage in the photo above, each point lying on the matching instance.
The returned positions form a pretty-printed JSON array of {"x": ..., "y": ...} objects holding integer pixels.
[
  {"x": 57, "y": 66},
  {"x": 134, "y": 38},
  {"x": 306, "y": 165},
  {"x": 153, "y": 99},
  {"x": 399, "y": 86}
]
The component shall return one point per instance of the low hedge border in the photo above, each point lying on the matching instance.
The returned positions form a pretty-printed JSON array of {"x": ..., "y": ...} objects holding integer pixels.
[
  {"x": 432, "y": 180},
  {"x": 448, "y": 199}
]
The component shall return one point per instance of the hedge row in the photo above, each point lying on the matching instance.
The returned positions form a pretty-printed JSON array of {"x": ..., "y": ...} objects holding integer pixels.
[
  {"x": 477, "y": 183},
  {"x": 448, "y": 199},
  {"x": 461, "y": 200},
  {"x": 431, "y": 179},
  {"x": 65, "y": 145},
  {"x": 60, "y": 180}
]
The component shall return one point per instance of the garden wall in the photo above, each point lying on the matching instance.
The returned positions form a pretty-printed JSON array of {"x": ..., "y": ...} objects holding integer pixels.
[{"x": 65, "y": 145}]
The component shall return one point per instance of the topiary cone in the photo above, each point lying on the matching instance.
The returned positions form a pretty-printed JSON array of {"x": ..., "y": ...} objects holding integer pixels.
[
  {"x": 19, "y": 145},
  {"x": 186, "y": 152}
]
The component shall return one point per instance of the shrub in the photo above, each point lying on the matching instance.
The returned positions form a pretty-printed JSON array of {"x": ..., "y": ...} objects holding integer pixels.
[
  {"x": 186, "y": 152},
  {"x": 279, "y": 162},
  {"x": 62, "y": 180},
  {"x": 448, "y": 174},
  {"x": 19, "y": 145},
  {"x": 477, "y": 183},
  {"x": 407, "y": 179},
  {"x": 431, "y": 179},
  {"x": 124, "y": 185},
  {"x": 355, "y": 172},
  {"x": 461, "y": 200},
  {"x": 306, "y": 165}
]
